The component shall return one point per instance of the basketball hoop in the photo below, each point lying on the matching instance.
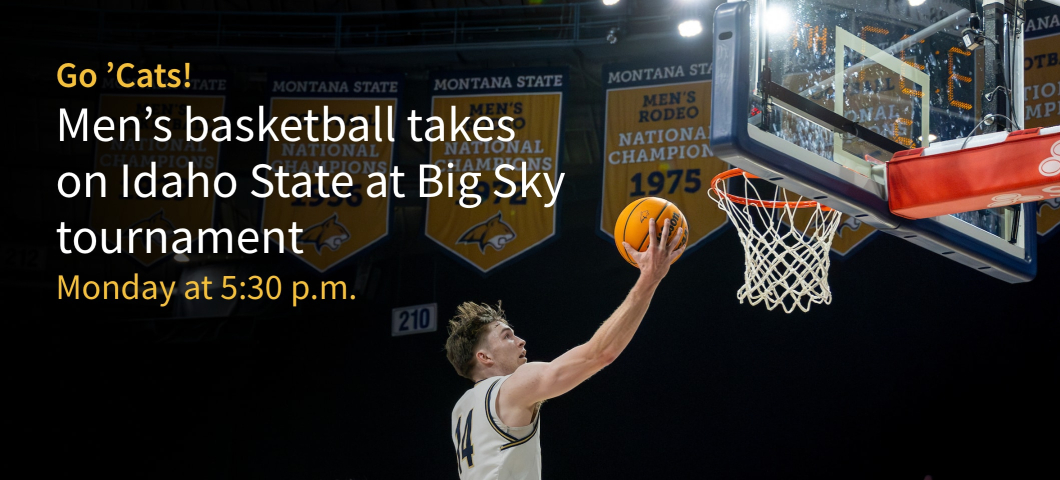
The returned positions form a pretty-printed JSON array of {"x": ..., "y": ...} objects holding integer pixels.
[{"x": 785, "y": 252}]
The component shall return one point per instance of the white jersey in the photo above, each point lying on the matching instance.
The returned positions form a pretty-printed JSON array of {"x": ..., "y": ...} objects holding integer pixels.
[{"x": 486, "y": 449}]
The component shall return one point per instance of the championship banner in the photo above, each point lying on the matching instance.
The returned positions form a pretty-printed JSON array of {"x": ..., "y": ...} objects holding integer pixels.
[
  {"x": 341, "y": 219},
  {"x": 850, "y": 236},
  {"x": 498, "y": 229},
  {"x": 657, "y": 143},
  {"x": 1041, "y": 81},
  {"x": 206, "y": 98}
]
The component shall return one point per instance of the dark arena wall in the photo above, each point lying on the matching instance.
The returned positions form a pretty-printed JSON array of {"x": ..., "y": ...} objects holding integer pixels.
[{"x": 919, "y": 366}]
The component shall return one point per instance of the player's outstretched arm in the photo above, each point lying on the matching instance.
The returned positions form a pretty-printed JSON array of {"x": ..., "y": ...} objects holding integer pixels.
[{"x": 538, "y": 381}]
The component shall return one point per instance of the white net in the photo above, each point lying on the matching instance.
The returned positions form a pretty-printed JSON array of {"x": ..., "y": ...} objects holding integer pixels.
[{"x": 785, "y": 243}]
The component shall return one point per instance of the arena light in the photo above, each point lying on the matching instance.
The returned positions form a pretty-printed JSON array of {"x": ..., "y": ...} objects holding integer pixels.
[
  {"x": 777, "y": 20},
  {"x": 916, "y": 3},
  {"x": 610, "y": 2},
  {"x": 181, "y": 258},
  {"x": 690, "y": 28}
]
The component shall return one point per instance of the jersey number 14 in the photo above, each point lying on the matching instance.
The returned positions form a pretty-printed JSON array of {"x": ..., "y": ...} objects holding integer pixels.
[{"x": 465, "y": 449}]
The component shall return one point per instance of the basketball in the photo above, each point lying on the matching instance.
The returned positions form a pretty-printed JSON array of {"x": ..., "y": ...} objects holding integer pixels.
[{"x": 632, "y": 224}]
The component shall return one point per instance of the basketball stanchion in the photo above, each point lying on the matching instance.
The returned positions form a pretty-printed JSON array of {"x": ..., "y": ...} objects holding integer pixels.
[{"x": 785, "y": 254}]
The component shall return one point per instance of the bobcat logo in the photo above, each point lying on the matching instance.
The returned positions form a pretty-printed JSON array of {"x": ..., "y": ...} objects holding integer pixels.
[
  {"x": 493, "y": 232},
  {"x": 329, "y": 233},
  {"x": 156, "y": 220},
  {"x": 851, "y": 223}
]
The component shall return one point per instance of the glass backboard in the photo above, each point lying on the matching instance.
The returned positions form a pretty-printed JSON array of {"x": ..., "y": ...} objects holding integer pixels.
[{"x": 816, "y": 97}]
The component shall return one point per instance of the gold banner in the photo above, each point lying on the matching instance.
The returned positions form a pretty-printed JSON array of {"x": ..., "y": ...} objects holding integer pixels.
[
  {"x": 848, "y": 236},
  {"x": 1041, "y": 84},
  {"x": 334, "y": 228},
  {"x": 1041, "y": 81},
  {"x": 498, "y": 229},
  {"x": 656, "y": 143},
  {"x": 174, "y": 155}
]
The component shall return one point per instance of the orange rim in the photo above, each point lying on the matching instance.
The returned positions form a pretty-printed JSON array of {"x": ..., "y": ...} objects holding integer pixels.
[{"x": 758, "y": 203}]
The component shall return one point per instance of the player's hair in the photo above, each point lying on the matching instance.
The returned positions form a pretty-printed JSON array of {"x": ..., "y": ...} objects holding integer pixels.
[{"x": 466, "y": 329}]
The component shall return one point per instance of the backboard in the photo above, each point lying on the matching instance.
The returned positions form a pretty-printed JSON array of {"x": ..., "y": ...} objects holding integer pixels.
[{"x": 816, "y": 96}]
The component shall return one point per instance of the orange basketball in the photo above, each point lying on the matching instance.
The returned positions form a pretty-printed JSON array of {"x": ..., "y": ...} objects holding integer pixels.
[{"x": 632, "y": 224}]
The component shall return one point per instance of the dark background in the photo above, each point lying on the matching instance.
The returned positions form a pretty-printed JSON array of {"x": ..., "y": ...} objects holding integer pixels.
[{"x": 919, "y": 366}]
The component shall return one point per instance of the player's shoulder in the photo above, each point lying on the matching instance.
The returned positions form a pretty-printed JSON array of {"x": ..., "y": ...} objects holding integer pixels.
[
  {"x": 530, "y": 368},
  {"x": 486, "y": 384},
  {"x": 528, "y": 372},
  {"x": 479, "y": 389}
]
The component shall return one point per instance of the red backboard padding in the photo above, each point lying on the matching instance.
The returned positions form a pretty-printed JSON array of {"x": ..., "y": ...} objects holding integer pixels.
[{"x": 1025, "y": 167}]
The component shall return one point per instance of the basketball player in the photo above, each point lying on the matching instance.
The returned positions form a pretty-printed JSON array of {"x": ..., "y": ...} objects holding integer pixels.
[{"x": 495, "y": 424}]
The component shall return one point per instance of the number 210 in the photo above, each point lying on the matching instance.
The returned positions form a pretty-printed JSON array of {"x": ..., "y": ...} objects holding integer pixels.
[
  {"x": 657, "y": 181},
  {"x": 420, "y": 319}
]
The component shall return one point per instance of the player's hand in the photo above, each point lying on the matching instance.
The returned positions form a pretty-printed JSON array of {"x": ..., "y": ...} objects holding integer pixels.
[{"x": 654, "y": 262}]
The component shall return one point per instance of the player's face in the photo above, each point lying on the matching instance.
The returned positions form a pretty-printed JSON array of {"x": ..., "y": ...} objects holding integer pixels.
[{"x": 509, "y": 351}]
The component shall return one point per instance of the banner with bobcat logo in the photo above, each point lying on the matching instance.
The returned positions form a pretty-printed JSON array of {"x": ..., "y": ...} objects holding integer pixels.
[
  {"x": 206, "y": 98},
  {"x": 498, "y": 229},
  {"x": 342, "y": 220},
  {"x": 1041, "y": 82},
  {"x": 657, "y": 143},
  {"x": 850, "y": 236}
]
